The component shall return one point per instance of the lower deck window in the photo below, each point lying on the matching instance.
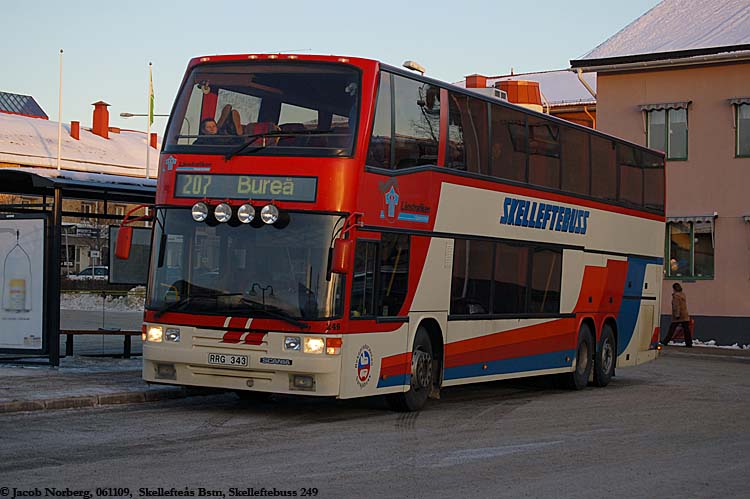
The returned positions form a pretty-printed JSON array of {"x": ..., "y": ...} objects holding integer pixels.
[{"x": 497, "y": 278}]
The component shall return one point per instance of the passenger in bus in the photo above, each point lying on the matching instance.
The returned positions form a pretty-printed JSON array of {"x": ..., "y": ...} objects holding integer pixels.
[
  {"x": 207, "y": 128},
  {"x": 229, "y": 121},
  {"x": 680, "y": 316}
]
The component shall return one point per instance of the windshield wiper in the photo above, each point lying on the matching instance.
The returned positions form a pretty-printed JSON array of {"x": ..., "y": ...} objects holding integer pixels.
[
  {"x": 276, "y": 313},
  {"x": 272, "y": 133}
]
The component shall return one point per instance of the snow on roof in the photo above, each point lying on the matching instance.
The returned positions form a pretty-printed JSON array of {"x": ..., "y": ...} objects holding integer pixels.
[
  {"x": 677, "y": 25},
  {"x": 560, "y": 87},
  {"x": 33, "y": 142}
]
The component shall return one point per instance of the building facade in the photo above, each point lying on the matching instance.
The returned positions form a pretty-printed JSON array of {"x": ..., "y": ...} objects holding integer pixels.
[{"x": 687, "y": 94}]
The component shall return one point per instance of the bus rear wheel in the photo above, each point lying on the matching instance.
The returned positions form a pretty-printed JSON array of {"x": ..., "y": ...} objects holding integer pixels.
[
  {"x": 579, "y": 378},
  {"x": 421, "y": 376},
  {"x": 604, "y": 363}
]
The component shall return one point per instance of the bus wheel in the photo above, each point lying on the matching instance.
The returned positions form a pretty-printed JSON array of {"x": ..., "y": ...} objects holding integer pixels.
[
  {"x": 604, "y": 363},
  {"x": 579, "y": 378},
  {"x": 421, "y": 376},
  {"x": 252, "y": 396}
]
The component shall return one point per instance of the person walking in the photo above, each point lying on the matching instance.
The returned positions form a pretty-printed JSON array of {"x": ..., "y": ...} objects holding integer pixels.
[{"x": 680, "y": 316}]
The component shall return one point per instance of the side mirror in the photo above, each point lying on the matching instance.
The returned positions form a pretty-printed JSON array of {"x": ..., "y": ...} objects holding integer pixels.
[
  {"x": 342, "y": 253},
  {"x": 124, "y": 242}
]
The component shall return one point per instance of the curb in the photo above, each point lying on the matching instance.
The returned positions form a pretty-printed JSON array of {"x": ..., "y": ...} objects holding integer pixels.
[{"x": 101, "y": 400}]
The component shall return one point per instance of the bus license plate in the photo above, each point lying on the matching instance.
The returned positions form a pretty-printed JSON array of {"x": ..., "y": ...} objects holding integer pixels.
[{"x": 220, "y": 359}]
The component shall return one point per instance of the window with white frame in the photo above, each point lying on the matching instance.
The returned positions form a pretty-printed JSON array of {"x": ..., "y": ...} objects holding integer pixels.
[
  {"x": 87, "y": 208},
  {"x": 690, "y": 249},
  {"x": 667, "y": 129},
  {"x": 742, "y": 126}
]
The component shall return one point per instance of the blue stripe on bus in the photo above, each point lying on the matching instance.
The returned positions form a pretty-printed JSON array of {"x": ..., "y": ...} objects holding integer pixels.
[
  {"x": 520, "y": 364},
  {"x": 399, "y": 380},
  {"x": 629, "y": 308},
  {"x": 413, "y": 217},
  {"x": 192, "y": 169},
  {"x": 410, "y": 217}
]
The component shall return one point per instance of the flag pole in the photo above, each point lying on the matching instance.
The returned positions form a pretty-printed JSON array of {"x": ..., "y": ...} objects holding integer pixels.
[
  {"x": 59, "y": 116},
  {"x": 150, "y": 119}
]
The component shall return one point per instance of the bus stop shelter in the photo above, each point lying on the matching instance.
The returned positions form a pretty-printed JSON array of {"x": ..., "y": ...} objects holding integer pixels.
[{"x": 31, "y": 248}]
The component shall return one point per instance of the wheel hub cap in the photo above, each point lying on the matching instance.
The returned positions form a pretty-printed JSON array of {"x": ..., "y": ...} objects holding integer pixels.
[{"x": 421, "y": 369}]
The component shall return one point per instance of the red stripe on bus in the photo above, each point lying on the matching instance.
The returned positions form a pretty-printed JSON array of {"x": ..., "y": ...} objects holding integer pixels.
[
  {"x": 254, "y": 338},
  {"x": 395, "y": 365}
]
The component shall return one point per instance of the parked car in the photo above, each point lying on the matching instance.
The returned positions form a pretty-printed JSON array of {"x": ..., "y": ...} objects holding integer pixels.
[{"x": 99, "y": 273}]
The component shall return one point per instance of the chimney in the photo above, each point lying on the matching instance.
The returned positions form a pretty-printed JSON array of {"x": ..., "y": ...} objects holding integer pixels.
[
  {"x": 75, "y": 130},
  {"x": 523, "y": 93},
  {"x": 152, "y": 140},
  {"x": 101, "y": 119},
  {"x": 476, "y": 81}
]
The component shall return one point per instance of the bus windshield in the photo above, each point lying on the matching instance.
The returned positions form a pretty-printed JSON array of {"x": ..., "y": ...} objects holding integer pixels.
[
  {"x": 281, "y": 108},
  {"x": 278, "y": 271}
]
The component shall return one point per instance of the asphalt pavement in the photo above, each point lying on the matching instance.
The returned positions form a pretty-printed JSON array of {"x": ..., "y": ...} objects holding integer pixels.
[{"x": 88, "y": 381}]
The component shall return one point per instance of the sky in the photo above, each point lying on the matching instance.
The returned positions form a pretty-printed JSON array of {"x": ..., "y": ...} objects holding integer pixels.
[{"x": 108, "y": 45}]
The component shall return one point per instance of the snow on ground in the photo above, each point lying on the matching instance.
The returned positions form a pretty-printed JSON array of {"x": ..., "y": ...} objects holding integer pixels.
[
  {"x": 132, "y": 302},
  {"x": 712, "y": 344}
]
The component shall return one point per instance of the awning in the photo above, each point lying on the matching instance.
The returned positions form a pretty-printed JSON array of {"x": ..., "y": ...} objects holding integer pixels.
[
  {"x": 705, "y": 219},
  {"x": 693, "y": 218},
  {"x": 736, "y": 101},
  {"x": 665, "y": 105}
]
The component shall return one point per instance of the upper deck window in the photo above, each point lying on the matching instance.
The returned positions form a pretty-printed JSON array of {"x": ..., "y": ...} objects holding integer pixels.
[
  {"x": 277, "y": 109},
  {"x": 406, "y": 131}
]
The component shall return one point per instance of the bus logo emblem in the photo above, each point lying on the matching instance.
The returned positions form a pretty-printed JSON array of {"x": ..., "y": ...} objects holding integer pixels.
[
  {"x": 391, "y": 200},
  {"x": 364, "y": 366},
  {"x": 170, "y": 162}
]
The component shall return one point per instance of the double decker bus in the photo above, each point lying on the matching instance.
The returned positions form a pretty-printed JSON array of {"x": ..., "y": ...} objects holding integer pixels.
[{"x": 349, "y": 229}]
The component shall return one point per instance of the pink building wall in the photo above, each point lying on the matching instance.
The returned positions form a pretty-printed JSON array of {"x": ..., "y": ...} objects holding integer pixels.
[{"x": 711, "y": 180}]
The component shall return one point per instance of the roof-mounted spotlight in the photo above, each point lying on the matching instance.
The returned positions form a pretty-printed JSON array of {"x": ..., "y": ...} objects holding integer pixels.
[
  {"x": 414, "y": 66},
  {"x": 269, "y": 214},
  {"x": 246, "y": 213},
  {"x": 199, "y": 212},
  {"x": 222, "y": 213}
]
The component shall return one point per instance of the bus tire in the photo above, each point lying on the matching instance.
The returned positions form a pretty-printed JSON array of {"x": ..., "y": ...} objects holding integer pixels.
[
  {"x": 252, "y": 396},
  {"x": 604, "y": 362},
  {"x": 579, "y": 378},
  {"x": 421, "y": 379}
]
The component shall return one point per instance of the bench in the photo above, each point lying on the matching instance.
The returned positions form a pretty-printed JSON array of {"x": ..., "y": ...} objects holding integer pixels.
[{"x": 70, "y": 333}]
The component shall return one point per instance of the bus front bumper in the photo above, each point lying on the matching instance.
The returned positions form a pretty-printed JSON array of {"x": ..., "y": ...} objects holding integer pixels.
[{"x": 204, "y": 358}]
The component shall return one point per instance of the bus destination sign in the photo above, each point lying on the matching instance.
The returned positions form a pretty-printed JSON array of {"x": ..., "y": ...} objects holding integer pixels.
[{"x": 269, "y": 187}]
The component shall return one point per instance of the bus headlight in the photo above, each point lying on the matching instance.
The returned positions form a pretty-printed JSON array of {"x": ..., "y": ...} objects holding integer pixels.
[
  {"x": 246, "y": 213},
  {"x": 314, "y": 345},
  {"x": 200, "y": 212},
  {"x": 269, "y": 214},
  {"x": 172, "y": 334},
  {"x": 155, "y": 334},
  {"x": 223, "y": 213},
  {"x": 292, "y": 343}
]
